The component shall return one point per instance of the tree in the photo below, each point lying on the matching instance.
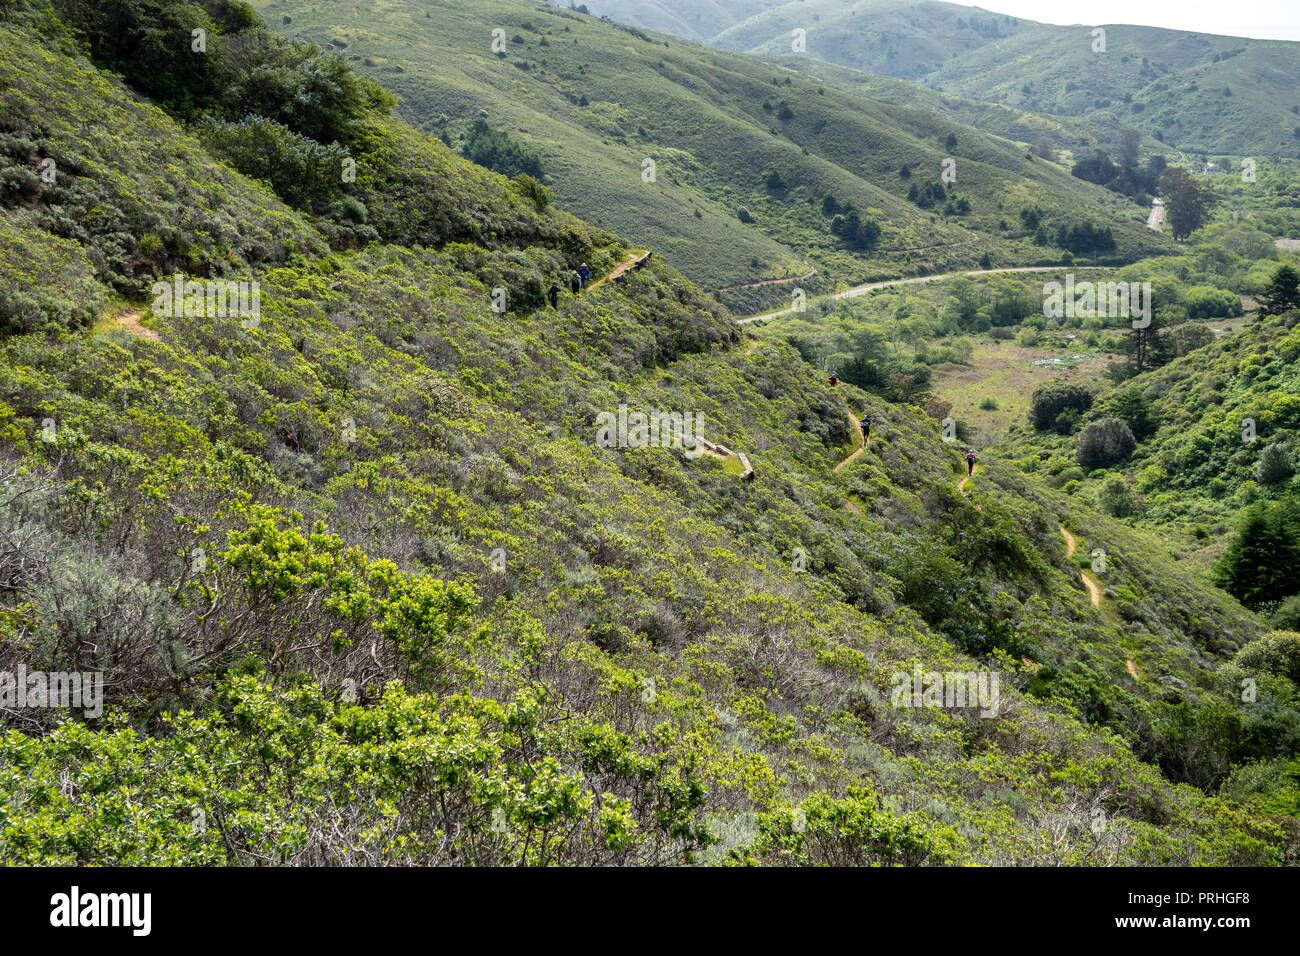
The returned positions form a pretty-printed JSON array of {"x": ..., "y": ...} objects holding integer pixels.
[
  {"x": 1115, "y": 499},
  {"x": 1129, "y": 140},
  {"x": 1048, "y": 401},
  {"x": 1043, "y": 149},
  {"x": 1104, "y": 443},
  {"x": 1095, "y": 169},
  {"x": 495, "y": 150},
  {"x": 1189, "y": 338},
  {"x": 1259, "y": 565},
  {"x": 1187, "y": 202},
  {"x": 1132, "y": 406},
  {"x": 1086, "y": 238},
  {"x": 1282, "y": 293},
  {"x": 1207, "y": 302},
  {"x": 1274, "y": 464},
  {"x": 1149, "y": 346},
  {"x": 856, "y": 232}
]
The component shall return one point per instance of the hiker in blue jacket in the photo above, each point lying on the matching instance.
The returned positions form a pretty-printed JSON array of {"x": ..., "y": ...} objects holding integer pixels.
[{"x": 584, "y": 274}]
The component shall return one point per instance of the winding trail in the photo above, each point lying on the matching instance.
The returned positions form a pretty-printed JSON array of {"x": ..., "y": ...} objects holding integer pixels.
[
  {"x": 856, "y": 291},
  {"x": 129, "y": 321},
  {"x": 860, "y": 449},
  {"x": 1094, "y": 591},
  {"x": 965, "y": 479},
  {"x": 632, "y": 259},
  {"x": 844, "y": 463}
]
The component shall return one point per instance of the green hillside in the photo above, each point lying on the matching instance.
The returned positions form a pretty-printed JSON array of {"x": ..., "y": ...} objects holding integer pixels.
[
  {"x": 1205, "y": 93},
  {"x": 366, "y": 588},
  {"x": 732, "y": 138}
]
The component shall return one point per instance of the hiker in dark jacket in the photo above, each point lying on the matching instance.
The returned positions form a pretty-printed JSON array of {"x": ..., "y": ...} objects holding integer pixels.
[
  {"x": 866, "y": 429},
  {"x": 584, "y": 274},
  {"x": 970, "y": 462},
  {"x": 575, "y": 283},
  {"x": 554, "y": 295}
]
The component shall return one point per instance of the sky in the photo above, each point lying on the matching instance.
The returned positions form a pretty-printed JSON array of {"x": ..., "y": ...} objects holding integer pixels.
[{"x": 1267, "y": 19}]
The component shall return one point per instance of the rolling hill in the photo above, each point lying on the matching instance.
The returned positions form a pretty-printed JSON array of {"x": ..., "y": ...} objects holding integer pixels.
[
  {"x": 1204, "y": 93},
  {"x": 598, "y": 101}
]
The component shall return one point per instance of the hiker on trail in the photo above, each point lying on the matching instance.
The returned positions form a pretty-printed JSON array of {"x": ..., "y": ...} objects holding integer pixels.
[
  {"x": 575, "y": 283},
  {"x": 554, "y": 295},
  {"x": 584, "y": 274},
  {"x": 834, "y": 380},
  {"x": 970, "y": 462},
  {"x": 866, "y": 430}
]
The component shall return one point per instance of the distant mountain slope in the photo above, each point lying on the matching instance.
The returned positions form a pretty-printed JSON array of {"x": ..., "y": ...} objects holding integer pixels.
[
  {"x": 1200, "y": 92},
  {"x": 598, "y": 101}
]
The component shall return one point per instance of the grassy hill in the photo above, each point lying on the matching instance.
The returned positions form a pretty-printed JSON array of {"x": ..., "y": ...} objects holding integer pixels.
[
  {"x": 597, "y": 101},
  {"x": 1200, "y": 92},
  {"x": 366, "y": 588}
]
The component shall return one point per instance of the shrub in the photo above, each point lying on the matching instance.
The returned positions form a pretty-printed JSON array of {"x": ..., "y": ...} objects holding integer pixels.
[
  {"x": 1132, "y": 406},
  {"x": 1048, "y": 401},
  {"x": 1207, "y": 302},
  {"x": 853, "y": 831},
  {"x": 1274, "y": 464},
  {"x": 1287, "y": 617},
  {"x": 532, "y": 190},
  {"x": 1259, "y": 564},
  {"x": 303, "y": 173},
  {"x": 1104, "y": 443},
  {"x": 1066, "y": 422},
  {"x": 1278, "y": 652},
  {"x": 499, "y": 153},
  {"x": 1115, "y": 498}
]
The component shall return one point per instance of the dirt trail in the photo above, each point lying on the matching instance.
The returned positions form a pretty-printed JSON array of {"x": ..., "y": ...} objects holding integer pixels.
[
  {"x": 965, "y": 479},
  {"x": 1132, "y": 669},
  {"x": 1094, "y": 591},
  {"x": 632, "y": 259},
  {"x": 861, "y": 448},
  {"x": 129, "y": 321},
  {"x": 873, "y": 286}
]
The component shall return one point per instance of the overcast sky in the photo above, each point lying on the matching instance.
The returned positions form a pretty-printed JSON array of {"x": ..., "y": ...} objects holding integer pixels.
[{"x": 1273, "y": 19}]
